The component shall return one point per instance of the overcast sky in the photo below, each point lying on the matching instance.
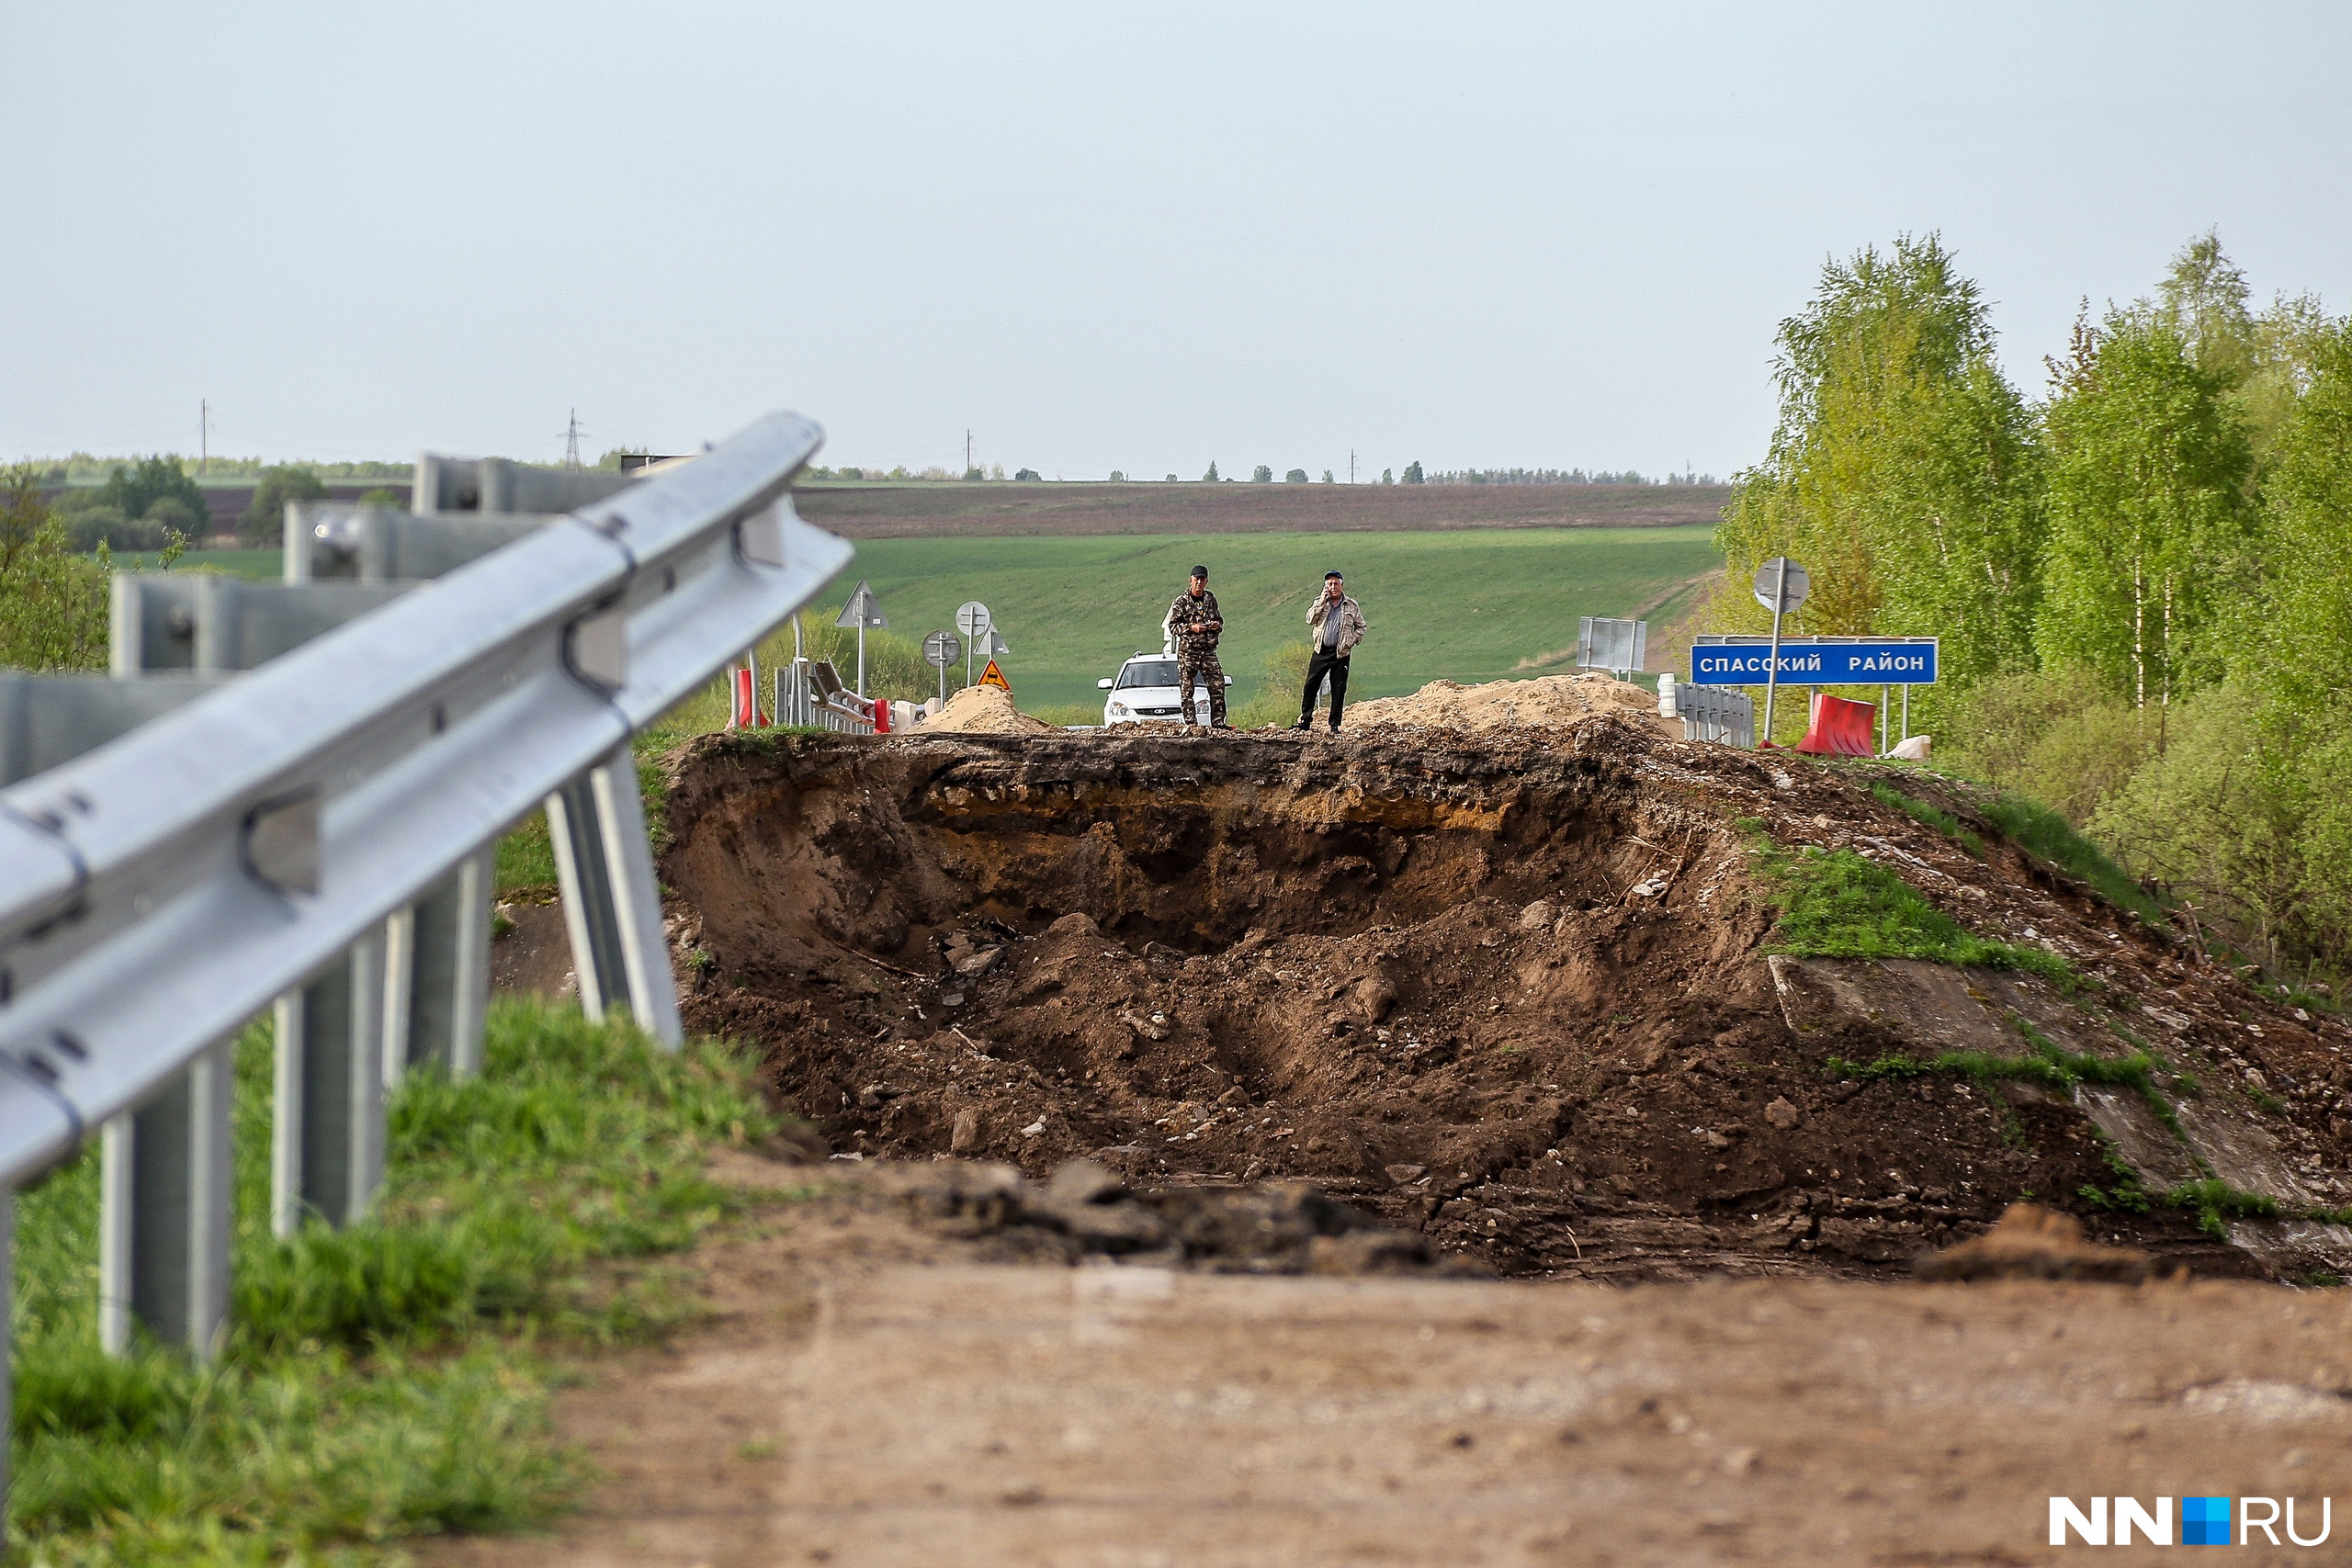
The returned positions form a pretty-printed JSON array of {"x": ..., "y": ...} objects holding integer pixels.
[{"x": 1098, "y": 236}]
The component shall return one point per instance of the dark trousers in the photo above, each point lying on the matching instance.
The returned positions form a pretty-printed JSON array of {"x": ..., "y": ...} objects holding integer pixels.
[{"x": 1335, "y": 665}]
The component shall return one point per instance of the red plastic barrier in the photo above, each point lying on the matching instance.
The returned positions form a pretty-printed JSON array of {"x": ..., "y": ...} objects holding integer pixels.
[
  {"x": 1841, "y": 728},
  {"x": 881, "y": 716},
  {"x": 747, "y": 704}
]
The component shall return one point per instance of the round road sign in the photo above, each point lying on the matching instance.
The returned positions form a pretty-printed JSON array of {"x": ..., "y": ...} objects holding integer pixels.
[
  {"x": 972, "y": 618},
  {"x": 943, "y": 648},
  {"x": 1794, "y": 585}
]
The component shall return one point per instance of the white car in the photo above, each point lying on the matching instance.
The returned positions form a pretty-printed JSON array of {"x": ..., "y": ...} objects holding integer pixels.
[{"x": 1145, "y": 688}]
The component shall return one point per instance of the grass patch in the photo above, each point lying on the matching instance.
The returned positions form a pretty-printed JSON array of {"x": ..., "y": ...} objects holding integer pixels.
[
  {"x": 2047, "y": 1063},
  {"x": 391, "y": 1380},
  {"x": 1942, "y": 821},
  {"x": 2218, "y": 1202},
  {"x": 1835, "y": 903},
  {"x": 1067, "y": 714},
  {"x": 2041, "y": 831},
  {"x": 526, "y": 861}
]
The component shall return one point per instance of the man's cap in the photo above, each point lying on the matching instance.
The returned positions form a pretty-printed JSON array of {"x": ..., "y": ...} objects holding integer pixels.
[
  {"x": 1200, "y": 571},
  {"x": 1330, "y": 575}
]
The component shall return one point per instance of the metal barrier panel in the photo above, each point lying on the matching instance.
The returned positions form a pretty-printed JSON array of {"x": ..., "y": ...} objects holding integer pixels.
[{"x": 1720, "y": 714}]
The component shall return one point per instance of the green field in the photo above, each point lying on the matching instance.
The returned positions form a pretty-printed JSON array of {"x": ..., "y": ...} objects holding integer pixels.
[
  {"x": 1469, "y": 605},
  {"x": 270, "y": 564}
]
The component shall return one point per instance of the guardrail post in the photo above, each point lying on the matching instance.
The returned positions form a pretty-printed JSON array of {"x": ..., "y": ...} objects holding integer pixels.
[
  {"x": 327, "y": 1140},
  {"x": 163, "y": 1213},
  {"x": 612, "y": 905},
  {"x": 437, "y": 963}
]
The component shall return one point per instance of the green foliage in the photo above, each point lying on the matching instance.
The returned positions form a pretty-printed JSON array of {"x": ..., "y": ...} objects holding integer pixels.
[
  {"x": 264, "y": 522},
  {"x": 385, "y": 496},
  {"x": 1835, "y": 903},
  {"x": 52, "y": 605},
  {"x": 1210, "y": 477},
  {"x": 2054, "y": 736},
  {"x": 139, "y": 489},
  {"x": 2223, "y": 818},
  {"x": 1282, "y": 677},
  {"x": 390, "y": 1379},
  {"x": 1904, "y": 471},
  {"x": 1261, "y": 475},
  {"x": 1412, "y": 472},
  {"x": 2149, "y": 522},
  {"x": 2303, "y": 629}
]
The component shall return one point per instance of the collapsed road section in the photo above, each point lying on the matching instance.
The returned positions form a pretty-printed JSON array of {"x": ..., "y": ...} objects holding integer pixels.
[{"x": 1519, "y": 991}]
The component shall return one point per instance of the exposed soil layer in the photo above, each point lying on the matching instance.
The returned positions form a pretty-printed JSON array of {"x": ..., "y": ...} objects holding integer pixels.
[{"x": 1505, "y": 990}]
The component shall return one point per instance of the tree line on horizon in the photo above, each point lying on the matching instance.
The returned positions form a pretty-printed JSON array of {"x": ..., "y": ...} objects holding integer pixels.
[{"x": 2141, "y": 580}]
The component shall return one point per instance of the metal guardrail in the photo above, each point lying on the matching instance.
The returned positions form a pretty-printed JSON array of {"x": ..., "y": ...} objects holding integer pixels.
[
  {"x": 1716, "y": 713},
  {"x": 180, "y": 851},
  {"x": 808, "y": 692}
]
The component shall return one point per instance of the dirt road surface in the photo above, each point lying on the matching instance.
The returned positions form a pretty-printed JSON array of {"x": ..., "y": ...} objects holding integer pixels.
[{"x": 870, "y": 1394}]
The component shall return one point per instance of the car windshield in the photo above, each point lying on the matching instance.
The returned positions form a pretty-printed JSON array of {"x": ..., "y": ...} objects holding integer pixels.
[{"x": 1147, "y": 672}]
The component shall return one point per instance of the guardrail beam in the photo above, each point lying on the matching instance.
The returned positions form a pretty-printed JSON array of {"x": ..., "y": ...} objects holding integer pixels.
[
  {"x": 499, "y": 484},
  {"x": 221, "y": 625},
  {"x": 326, "y": 539}
]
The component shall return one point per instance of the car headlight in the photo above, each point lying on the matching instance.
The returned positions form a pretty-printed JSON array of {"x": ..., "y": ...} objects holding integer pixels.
[{"x": 1119, "y": 709}]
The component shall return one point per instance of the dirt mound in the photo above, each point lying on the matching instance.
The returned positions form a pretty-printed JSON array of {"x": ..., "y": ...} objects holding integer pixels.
[
  {"x": 1507, "y": 990},
  {"x": 985, "y": 710},
  {"x": 1547, "y": 702},
  {"x": 2034, "y": 1243}
]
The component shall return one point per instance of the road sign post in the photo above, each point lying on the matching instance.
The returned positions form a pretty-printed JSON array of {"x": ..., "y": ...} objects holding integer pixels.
[
  {"x": 942, "y": 649},
  {"x": 1789, "y": 587},
  {"x": 972, "y": 620},
  {"x": 862, "y": 611}
]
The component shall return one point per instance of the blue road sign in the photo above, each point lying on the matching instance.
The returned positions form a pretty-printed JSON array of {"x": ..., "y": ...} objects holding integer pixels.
[{"x": 1815, "y": 661}]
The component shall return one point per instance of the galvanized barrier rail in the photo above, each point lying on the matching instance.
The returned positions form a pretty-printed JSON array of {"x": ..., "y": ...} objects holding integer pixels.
[
  {"x": 809, "y": 692},
  {"x": 287, "y": 796}
]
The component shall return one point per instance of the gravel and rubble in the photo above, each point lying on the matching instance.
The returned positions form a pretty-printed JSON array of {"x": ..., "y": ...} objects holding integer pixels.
[{"x": 1506, "y": 991}]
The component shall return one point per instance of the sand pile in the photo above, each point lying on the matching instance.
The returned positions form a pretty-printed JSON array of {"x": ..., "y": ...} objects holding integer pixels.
[
  {"x": 985, "y": 710},
  {"x": 1546, "y": 702}
]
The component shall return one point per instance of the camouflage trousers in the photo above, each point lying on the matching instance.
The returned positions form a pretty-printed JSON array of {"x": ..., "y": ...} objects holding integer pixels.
[{"x": 1200, "y": 667}]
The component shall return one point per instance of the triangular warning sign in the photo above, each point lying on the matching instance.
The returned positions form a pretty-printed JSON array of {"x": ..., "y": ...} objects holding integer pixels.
[{"x": 992, "y": 676}]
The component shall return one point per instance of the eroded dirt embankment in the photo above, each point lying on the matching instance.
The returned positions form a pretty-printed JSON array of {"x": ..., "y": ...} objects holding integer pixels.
[{"x": 1505, "y": 989}]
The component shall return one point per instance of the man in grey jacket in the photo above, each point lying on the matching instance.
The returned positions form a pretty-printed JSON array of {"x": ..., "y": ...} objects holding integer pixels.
[{"x": 1334, "y": 626}]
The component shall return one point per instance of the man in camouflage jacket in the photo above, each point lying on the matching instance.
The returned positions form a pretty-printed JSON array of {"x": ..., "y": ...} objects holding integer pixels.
[{"x": 1194, "y": 622}]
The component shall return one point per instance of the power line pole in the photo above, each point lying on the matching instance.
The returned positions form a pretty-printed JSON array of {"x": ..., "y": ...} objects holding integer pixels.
[
  {"x": 967, "y": 451},
  {"x": 203, "y": 435},
  {"x": 1352, "y": 465},
  {"x": 571, "y": 441}
]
